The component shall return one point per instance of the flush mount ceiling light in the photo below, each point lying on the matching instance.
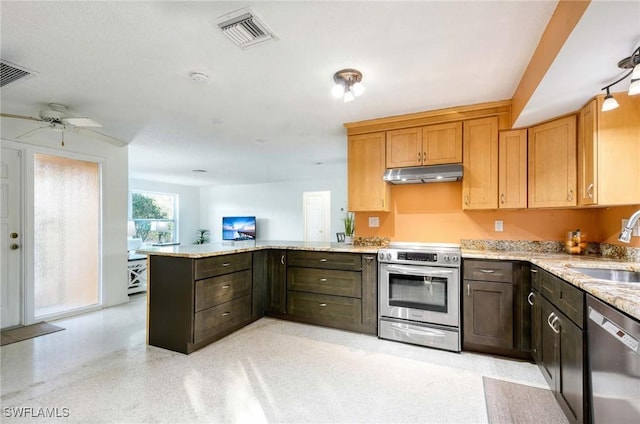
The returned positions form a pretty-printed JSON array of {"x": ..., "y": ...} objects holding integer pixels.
[
  {"x": 198, "y": 76},
  {"x": 632, "y": 62},
  {"x": 347, "y": 84}
]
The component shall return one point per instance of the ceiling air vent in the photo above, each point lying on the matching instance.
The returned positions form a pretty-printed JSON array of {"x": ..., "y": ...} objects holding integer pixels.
[
  {"x": 10, "y": 73},
  {"x": 244, "y": 28}
]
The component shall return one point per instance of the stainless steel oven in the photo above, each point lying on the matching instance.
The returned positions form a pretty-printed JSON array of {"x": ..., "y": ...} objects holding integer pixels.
[{"x": 419, "y": 294}]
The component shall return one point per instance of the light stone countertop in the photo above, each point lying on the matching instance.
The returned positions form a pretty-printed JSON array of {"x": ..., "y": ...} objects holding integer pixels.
[
  {"x": 624, "y": 296},
  {"x": 226, "y": 248}
]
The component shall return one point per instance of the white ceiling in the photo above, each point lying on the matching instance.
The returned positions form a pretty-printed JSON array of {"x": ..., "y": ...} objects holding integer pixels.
[{"x": 266, "y": 113}]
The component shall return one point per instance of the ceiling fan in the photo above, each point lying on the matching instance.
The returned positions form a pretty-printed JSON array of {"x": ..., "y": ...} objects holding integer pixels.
[{"x": 57, "y": 119}]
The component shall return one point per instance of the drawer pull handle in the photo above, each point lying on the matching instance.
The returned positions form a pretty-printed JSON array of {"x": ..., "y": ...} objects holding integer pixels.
[
  {"x": 322, "y": 280},
  {"x": 323, "y": 260},
  {"x": 534, "y": 271},
  {"x": 322, "y": 305},
  {"x": 487, "y": 271},
  {"x": 226, "y": 286},
  {"x": 226, "y": 264},
  {"x": 282, "y": 259},
  {"x": 224, "y": 314},
  {"x": 529, "y": 298}
]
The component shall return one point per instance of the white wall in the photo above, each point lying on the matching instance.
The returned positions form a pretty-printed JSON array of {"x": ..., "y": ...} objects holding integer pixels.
[
  {"x": 114, "y": 166},
  {"x": 277, "y": 206},
  {"x": 188, "y": 208}
]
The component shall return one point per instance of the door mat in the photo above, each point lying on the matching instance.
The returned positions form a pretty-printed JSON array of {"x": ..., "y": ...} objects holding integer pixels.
[
  {"x": 516, "y": 403},
  {"x": 27, "y": 332}
]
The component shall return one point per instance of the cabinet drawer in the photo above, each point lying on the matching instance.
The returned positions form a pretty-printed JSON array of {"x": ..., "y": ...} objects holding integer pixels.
[
  {"x": 325, "y": 281},
  {"x": 219, "y": 265},
  {"x": 327, "y": 260},
  {"x": 497, "y": 271},
  {"x": 324, "y": 309},
  {"x": 223, "y": 288},
  {"x": 209, "y": 322},
  {"x": 567, "y": 298}
]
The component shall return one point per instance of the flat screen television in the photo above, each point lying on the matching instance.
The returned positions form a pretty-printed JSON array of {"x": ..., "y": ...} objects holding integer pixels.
[{"x": 238, "y": 228}]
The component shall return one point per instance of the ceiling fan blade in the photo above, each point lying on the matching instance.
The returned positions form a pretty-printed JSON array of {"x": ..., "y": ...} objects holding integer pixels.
[
  {"x": 82, "y": 122},
  {"x": 9, "y": 115},
  {"x": 101, "y": 137},
  {"x": 30, "y": 133}
]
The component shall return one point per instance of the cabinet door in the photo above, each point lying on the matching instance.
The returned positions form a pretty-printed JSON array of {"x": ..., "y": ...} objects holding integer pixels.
[
  {"x": 618, "y": 152},
  {"x": 552, "y": 164},
  {"x": 536, "y": 324},
  {"x": 366, "y": 166},
  {"x": 587, "y": 156},
  {"x": 547, "y": 360},
  {"x": 404, "y": 148},
  {"x": 480, "y": 159},
  {"x": 442, "y": 143},
  {"x": 570, "y": 377},
  {"x": 512, "y": 169},
  {"x": 276, "y": 293},
  {"x": 488, "y": 313}
]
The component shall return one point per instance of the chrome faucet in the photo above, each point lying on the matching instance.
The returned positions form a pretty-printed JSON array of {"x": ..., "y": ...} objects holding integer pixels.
[{"x": 625, "y": 235}]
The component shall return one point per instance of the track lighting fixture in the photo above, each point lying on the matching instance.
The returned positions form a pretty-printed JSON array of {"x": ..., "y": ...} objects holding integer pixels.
[
  {"x": 347, "y": 84},
  {"x": 632, "y": 62}
]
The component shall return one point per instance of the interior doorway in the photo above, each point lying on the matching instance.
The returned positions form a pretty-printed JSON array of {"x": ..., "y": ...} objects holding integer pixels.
[
  {"x": 11, "y": 275},
  {"x": 317, "y": 216}
]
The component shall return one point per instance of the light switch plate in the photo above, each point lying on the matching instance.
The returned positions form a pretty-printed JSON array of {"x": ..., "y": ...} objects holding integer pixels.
[
  {"x": 374, "y": 221},
  {"x": 499, "y": 226}
]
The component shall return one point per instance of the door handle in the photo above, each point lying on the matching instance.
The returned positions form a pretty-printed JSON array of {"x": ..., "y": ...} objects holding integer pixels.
[
  {"x": 529, "y": 298},
  {"x": 282, "y": 259},
  {"x": 13, "y": 235},
  {"x": 468, "y": 290},
  {"x": 14, "y": 246}
]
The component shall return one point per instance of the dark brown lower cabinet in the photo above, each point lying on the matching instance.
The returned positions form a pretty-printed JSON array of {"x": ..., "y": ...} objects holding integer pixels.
[
  {"x": 496, "y": 317},
  {"x": 336, "y": 290},
  {"x": 488, "y": 314},
  {"x": 559, "y": 346},
  {"x": 276, "y": 282}
]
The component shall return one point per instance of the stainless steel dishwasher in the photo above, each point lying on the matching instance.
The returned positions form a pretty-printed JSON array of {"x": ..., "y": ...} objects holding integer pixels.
[{"x": 614, "y": 364}]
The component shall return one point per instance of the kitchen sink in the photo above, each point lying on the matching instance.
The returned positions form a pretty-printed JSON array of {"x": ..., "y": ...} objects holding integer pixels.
[{"x": 619, "y": 275}]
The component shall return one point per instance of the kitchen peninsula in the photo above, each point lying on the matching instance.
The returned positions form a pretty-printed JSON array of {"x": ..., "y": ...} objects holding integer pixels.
[{"x": 198, "y": 294}]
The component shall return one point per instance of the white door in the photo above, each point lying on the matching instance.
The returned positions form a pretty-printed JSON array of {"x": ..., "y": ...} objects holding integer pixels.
[
  {"x": 317, "y": 216},
  {"x": 11, "y": 236}
]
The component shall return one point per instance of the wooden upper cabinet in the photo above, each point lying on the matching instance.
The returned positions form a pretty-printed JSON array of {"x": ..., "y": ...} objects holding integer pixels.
[
  {"x": 480, "y": 161},
  {"x": 428, "y": 145},
  {"x": 442, "y": 143},
  {"x": 609, "y": 153},
  {"x": 552, "y": 164},
  {"x": 366, "y": 165},
  {"x": 587, "y": 156},
  {"x": 404, "y": 148},
  {"x": 512, "y": 169}
]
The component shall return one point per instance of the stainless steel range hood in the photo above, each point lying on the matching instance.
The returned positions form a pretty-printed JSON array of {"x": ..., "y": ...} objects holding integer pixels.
[{"x": 424, "y": 174}]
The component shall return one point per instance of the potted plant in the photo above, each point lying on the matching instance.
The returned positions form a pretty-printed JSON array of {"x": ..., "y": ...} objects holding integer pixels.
[
  {"x": 203, "y": 237},
  {"x": 349, "y": 221}
]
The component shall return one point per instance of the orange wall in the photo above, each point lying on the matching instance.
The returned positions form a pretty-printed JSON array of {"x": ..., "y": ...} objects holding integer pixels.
[{"x": 433, "y": 213}]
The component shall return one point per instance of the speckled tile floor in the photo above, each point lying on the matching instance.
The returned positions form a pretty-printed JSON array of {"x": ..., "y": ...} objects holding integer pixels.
[{"x": 100, "y": 370}]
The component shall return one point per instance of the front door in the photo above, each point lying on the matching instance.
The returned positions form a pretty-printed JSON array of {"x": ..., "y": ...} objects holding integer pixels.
[{"x": 11, "y": 236}]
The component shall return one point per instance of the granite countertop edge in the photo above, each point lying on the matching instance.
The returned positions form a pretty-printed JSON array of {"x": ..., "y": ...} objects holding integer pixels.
[{"x": 623, "y": 296}]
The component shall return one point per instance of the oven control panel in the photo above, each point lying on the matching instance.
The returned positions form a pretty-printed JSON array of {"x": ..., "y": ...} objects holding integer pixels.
[{"x": 412, "y": 256}]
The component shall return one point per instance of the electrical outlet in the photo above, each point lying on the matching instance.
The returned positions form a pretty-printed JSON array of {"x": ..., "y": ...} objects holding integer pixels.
[
  {"x": 374, "y": 221},
  {"x": 499, "y": 226}
]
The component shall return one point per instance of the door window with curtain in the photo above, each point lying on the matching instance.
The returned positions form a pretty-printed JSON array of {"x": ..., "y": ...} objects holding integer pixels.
[
  {"x": 155, "y": 216},
  {"x": 66, "y": 234}
]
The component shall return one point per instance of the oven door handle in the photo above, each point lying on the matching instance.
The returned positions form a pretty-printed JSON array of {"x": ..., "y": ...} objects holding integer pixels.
[
  {"x": 418, "y": 332},
  {"x": 405, "y": 270}
]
